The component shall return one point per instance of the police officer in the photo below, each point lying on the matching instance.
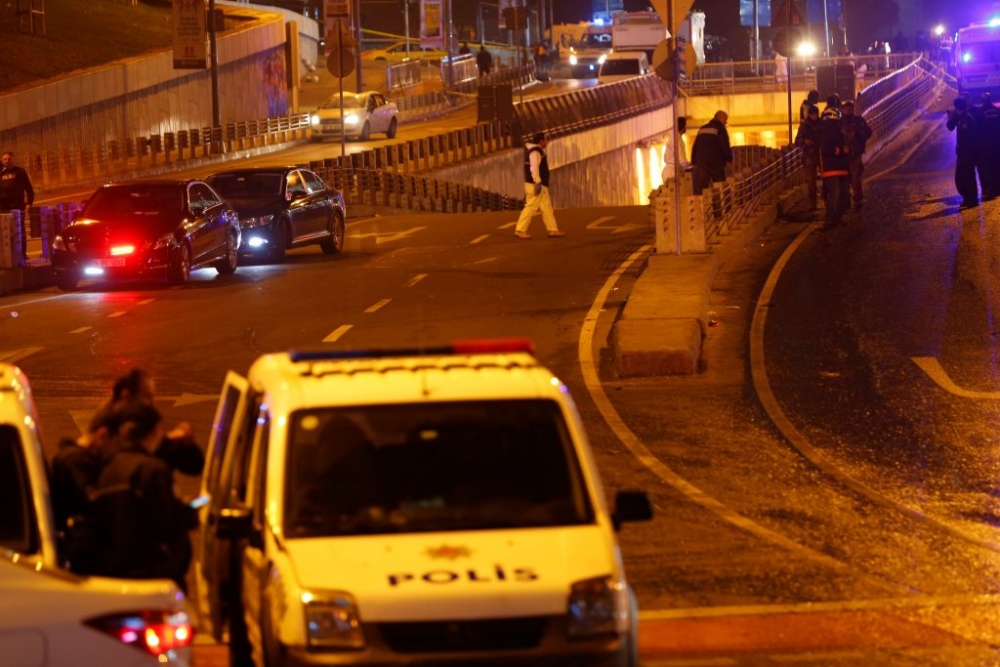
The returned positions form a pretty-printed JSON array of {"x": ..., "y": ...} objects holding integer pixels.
[
  {"x": 988, "y": 142},
  {"x": 16, "y": 194},
  {"x": 964, "y": 125}
]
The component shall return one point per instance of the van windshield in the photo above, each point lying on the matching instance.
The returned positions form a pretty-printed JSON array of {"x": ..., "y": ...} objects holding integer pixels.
[
  {"x": 471, "y": 465},
  {"x": 627, "y": 66}
]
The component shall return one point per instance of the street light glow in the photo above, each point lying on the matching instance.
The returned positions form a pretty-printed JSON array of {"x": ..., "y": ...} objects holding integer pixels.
[
  {"x": 939, "y": 30},
  {"x": 805, "y": 49}
]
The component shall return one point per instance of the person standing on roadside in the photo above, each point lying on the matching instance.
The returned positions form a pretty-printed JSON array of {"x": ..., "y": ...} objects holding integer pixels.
[
  {"x": 987, "y": 117},
  {"x": 857, "y": 133},
  {"x": 807, "y": 139},
  {"x": 16, "y": 194},
  {"x": 669, "y": 171},
  {"x": 963, "y": 124},
  {"x": 834, "y": 166},
  {"x": 812, "y": 99},
  {"x": 711, "y": 153},
  {"x": 536, "y": 189},
  {"x": 484, "y": 61}
]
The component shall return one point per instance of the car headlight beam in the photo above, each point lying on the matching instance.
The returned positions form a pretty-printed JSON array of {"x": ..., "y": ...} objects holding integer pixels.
[
  {"x": 597, "y": 607},
  {"x": 332, "y": 621}
]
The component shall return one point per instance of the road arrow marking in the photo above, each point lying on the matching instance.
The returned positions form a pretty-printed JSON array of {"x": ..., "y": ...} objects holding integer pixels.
[
  {"x": 13, "y": 356},
  {"x": 599, "y": 224},
  {"x": 932, "y": 367},
  {"x": 385, "y": 237}
]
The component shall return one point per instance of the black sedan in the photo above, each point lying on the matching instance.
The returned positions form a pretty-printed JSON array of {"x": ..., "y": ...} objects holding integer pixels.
[
  {"x": 282, "y": 208},
  {"x": 148, "y": 228}
]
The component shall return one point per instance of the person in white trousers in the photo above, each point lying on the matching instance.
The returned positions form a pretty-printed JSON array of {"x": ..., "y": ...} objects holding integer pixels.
[{"x": 536, "y": 189}]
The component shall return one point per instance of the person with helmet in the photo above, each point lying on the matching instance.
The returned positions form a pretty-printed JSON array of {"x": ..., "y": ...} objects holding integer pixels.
[{"x": 834, "y": 166}]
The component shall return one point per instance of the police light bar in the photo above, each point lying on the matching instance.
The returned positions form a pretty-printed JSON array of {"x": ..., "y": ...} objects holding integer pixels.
[{"x": 469, "y": 346}]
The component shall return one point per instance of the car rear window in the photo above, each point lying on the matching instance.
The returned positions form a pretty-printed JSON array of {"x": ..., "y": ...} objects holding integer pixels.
[
  {"x": 474, "y": 465},
  {"x": 136, "y": 201},
  {"x": 247, "y": 186}
]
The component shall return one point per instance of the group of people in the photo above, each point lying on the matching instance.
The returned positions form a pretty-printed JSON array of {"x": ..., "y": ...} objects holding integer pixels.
[
  {"x": 833, "y": 144},
  {"x": 113, "y": 489},
  {"x": 977, "y": 130},
  {"x": 16, "y": 194}
]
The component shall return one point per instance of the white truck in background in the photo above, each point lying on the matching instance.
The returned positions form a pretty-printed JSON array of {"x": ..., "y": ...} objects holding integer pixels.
[
  {"x": 977, "y": 59},
  {"x": 637, "y": 31}
]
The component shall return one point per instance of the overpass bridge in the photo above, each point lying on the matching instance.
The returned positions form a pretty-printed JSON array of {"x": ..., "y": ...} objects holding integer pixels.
[{"x": 605, "y": 145}]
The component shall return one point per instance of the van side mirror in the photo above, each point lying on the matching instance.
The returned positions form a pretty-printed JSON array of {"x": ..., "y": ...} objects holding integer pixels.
[{"x": 631, "y": 506}]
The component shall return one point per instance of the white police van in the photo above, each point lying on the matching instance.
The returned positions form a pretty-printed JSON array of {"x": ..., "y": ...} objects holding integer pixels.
[{"x": 435, "y": 506}]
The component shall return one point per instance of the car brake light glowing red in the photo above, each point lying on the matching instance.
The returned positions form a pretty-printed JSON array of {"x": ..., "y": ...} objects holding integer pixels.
[
  {"x": 156, "y": 632},
  {"x": 118, "y": 250}
]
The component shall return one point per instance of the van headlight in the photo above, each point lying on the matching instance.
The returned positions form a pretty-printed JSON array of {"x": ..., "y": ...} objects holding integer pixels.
[
  {"x": 597, "y": 607},
  {"x": 572, "y": 59},
  {"x": 332, "y": 621},
  {"x": 352, "y": 119},
  {"x": 314, "y": 119}
]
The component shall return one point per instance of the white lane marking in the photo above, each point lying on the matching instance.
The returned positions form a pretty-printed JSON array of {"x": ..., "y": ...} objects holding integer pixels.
[
  {"x": 80, "y": 330},
  {"x": 145, "y": 301},
  {"x": 798, "y": 441},
  {"x": 597, "y": 223},
  {"x": 479, "y": 238},
  {"x": 915, "y": 602},
  {"x": 377, "y": 306},
  {"x": 117, "y": 314},
  {"x": 337, "y": 333},
  {"x": 415, "y": 279},
  {"x": 15, "y": 355},
  {"x": 592, "y": 380},
  {"x": 508, "y": 225},
  {"x": 932, "y": 367},
  {"x": 9, "y": 306}
]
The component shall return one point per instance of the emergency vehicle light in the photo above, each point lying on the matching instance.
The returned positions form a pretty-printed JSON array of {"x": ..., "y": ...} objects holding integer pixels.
[{"x": 469, "y": 346}]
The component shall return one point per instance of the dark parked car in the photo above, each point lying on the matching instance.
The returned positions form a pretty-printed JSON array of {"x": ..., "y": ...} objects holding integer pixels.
[
  {"x": 134, "y": 229},
  {"x": 282, "y": 208}
]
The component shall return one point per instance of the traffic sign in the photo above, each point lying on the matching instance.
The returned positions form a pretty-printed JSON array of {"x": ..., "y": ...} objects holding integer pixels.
[
  {"x": 340, "y": 62},
  {"x": 663, "y": 64},
  {"x": 681, "y": 9}
]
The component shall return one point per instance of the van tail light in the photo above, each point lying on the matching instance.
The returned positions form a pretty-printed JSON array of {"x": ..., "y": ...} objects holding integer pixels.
[{"x": 156, "y": 632}]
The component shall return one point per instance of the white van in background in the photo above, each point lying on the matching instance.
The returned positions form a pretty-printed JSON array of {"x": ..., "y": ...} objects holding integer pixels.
[{"x": 622, "y": 65}]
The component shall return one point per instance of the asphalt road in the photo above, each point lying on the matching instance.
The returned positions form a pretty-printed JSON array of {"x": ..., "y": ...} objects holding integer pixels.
[{"x": 822, "y": 498}]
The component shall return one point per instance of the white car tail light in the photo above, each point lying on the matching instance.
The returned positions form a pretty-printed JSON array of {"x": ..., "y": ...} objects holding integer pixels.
[{"x": 156, "y": 632}]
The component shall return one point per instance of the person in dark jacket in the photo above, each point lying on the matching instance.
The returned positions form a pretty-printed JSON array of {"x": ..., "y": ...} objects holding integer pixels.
[
  {"x": 987, "y": 117},
  {"x": 857, "y": 133},
  {"x": 834, "y": 166},
  {"x": 16, "y": 194},
  {"x": 73, "y": 476},
  {"x": 711, "y": 153},
  {"x": 812, "y": 99},
  {"x": 807, "y": 139},
  {"x": 484, "y": 61},
  {"x": 964, "y": 125},
  {"x": 146, "y": 534}
]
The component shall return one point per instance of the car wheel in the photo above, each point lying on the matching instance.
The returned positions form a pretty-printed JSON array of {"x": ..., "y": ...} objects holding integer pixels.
[
  {"x": 279, "y": 241},
  {"x": 66, "y": 280},
  {"x": 335, "y": 242},
  {"x": 366, "y": 132},
  {"x": 179, "y": 269},
  {"x": 227, "y": 265},
  {"x": 391, "y": 132}
]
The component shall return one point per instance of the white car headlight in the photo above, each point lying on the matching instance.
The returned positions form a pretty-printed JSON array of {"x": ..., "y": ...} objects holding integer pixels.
[
  {"x": 572, "y": 59},
  {"x": 314, "y": 119},
  {"x": 600, "y": 61},
  {"x": 351, "y": 119},
  {"x": 256, "y": 221},
  {"x": 597, "y": 607},
  {"x": 332, "y": 621}
]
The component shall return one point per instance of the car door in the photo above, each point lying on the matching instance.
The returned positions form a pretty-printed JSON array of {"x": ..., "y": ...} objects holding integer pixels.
[
  {"x": 319, "y": 202},
  {"x": 299, "y": 209},
  {"x": 254, "y": 563},
  {"x": 212, "y": 554},
  {"x": 380, "y": 119},
  {"x": 199, "y": 227}
]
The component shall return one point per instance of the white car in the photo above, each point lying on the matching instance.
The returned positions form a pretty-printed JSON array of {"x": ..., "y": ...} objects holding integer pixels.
[
  {"x": 357, "y": 116},
  {"x": 622, "y": 65},
  {"x": 50, "y": 617},
  {"x": 434, "y": 506},
  {"x": 398, "y": 52}
]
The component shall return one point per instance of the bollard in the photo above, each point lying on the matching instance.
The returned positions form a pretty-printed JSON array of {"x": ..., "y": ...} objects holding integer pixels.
[{"x": 6, "y": 241}]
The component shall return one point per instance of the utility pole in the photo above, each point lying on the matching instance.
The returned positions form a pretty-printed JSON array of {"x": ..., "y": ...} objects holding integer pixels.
[{"x": 213, "y": 47}]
